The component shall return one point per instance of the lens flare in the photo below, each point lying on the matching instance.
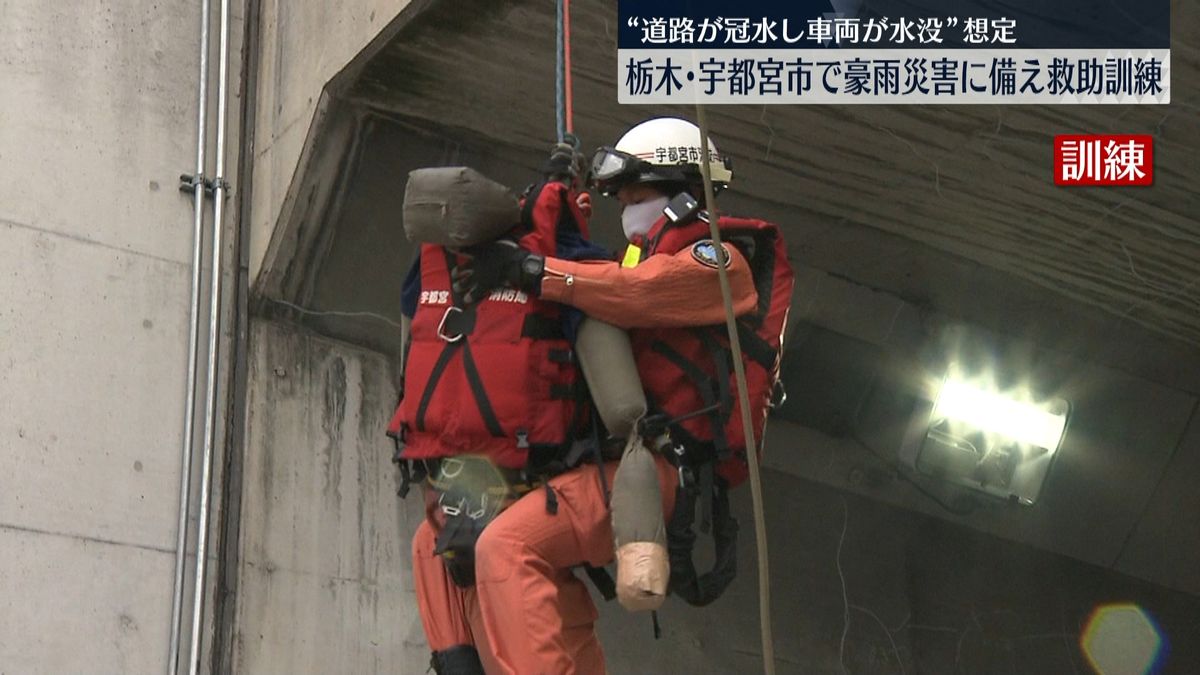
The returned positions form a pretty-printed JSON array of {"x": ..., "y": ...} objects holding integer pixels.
[{"x": 1123, "y": 639}]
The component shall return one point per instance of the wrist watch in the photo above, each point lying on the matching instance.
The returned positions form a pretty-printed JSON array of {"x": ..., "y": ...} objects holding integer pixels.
[{"x": 532, "y": 267}]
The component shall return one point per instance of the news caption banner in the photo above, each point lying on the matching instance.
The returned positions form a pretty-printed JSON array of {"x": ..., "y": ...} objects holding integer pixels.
[{"x": 888, "y": 51}]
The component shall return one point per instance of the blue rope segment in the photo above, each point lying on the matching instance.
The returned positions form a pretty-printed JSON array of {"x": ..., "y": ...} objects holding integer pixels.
[{"x": 560, "y": 75}]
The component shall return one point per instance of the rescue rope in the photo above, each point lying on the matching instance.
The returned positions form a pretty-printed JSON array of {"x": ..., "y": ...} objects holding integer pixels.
[
  {"x": 760, "y": 527},
  {"x": 560, "y": 100},
  {"x": 568, "y": 95},
  {"x": 563, "y": 94}
]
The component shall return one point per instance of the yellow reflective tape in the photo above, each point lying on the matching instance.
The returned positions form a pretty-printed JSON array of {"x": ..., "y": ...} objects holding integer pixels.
[{"x": 633, "y": 256}]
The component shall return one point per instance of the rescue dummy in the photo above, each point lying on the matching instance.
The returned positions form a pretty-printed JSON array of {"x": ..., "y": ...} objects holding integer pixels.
[{"x": 457, "y": 206}]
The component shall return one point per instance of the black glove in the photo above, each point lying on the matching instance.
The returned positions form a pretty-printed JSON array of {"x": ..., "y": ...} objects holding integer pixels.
[
  {"x": 489, "y": 266},
  {"x": 565, "y": 163}
]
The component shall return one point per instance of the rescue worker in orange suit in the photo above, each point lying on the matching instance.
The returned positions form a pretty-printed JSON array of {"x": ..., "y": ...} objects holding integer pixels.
[{"x": 536, "y": 615}]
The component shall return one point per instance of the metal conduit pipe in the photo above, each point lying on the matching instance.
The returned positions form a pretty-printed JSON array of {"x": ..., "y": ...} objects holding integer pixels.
[
  {"x": 189, "y": 410},
  {"x": 214, "y": 327}
]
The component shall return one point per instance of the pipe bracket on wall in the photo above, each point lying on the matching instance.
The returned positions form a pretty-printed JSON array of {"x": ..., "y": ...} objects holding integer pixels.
[{"x": 188, "y": 183}]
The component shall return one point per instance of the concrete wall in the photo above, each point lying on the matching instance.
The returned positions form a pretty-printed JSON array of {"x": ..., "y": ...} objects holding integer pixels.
[
  {"x": 1129, "y": 427},
  {"x": 302, "y": 46},
  {"x": 861, "y": 584},
  {"x": 325, "y": 582},
  {"x": 862, "y": 587},
  {"x": 1117, "y": 478},
  {"x": 96, "y": 124}
]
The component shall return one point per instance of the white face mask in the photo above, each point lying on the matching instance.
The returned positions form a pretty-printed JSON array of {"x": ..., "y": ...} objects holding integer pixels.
[{"x": 636, "y": 219}]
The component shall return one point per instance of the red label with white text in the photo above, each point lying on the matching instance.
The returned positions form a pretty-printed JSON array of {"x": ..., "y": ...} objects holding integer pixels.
[{"x": 1103, "y": 160}]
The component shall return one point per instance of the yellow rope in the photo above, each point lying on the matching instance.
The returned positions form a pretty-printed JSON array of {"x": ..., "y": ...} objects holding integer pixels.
[{"x": 760, "y": 526}]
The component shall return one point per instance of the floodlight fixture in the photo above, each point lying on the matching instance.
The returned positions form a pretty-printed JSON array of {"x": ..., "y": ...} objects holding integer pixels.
[{"x": 1001, "y": 442}]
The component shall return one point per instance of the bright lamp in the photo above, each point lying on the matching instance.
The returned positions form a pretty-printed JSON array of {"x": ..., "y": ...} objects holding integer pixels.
[{"x": 999, "y": 442}]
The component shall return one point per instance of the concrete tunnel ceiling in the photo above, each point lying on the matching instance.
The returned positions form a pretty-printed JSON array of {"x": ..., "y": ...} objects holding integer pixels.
[
  {"x": 911, "y": 200},
  {"x": 951, "y": 210},
  {"x": 972, "y": 181}
]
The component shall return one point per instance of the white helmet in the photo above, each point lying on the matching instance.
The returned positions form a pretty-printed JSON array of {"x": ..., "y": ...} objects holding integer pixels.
[{"x": 659, "y": 150}]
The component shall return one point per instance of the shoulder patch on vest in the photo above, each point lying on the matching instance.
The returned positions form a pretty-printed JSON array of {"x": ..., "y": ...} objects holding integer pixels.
[{"x": 705, "y": 253}]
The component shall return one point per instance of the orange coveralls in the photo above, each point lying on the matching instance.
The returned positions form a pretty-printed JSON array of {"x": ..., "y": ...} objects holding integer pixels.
[{"x": 527, "y": 613}]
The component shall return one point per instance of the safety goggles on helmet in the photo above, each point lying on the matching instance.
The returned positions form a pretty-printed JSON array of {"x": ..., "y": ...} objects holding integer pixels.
[{"x": 613, "y": 169}]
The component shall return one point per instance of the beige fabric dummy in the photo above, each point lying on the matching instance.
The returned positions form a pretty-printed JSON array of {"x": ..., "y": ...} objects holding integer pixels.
[{"x": 639, "y": 534}]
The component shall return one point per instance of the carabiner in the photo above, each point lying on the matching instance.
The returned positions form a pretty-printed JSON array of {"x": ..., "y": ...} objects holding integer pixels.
[{"x": 442, "y": 325}]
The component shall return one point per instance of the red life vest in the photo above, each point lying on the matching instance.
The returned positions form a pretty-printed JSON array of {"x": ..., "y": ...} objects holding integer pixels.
[
  {"x": 685, "y": 370},
  {"x": 497, "y": 378}
]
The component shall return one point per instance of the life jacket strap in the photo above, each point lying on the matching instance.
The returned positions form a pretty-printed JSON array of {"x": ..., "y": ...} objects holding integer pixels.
[
  {"x": 539, "y": 327},
  {"x": 723, "y": 365},
  {"x": 481, "y": 398},
  {"x": 435, "y": 375},
  {"x": 756, "y": 348},
  {"x": 602, "y": 580},
  {"x": 717, "y": 405},
  {"x": 411, "y": 473}
]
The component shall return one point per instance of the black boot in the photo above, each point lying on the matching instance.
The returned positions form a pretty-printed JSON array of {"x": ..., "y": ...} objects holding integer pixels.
[{"x": 457, "y": 660}]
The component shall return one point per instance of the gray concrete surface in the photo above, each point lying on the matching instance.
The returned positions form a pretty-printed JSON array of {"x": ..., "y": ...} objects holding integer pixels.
[
  {"x": 335, "y": 250},
  {"x": 97, "y": 122},
  {"x": 78, "y": 605},
  {"x": 1131, "y": 387},
  {"x": 91, "y": 427},
  {"x": 971, "y": 181},
  {"x": 911, "y": 594},
  {"x": 1126, "y": 440},
  {"x": 1099, "y": 287},
  {"x": 325, "y": 579},
  {"x": 303, "y": 45},
  {"x": 325, "y": 583},
  {"x": 99, "y": 113},
  {"x": 1168, "y": 520}
]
